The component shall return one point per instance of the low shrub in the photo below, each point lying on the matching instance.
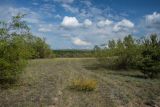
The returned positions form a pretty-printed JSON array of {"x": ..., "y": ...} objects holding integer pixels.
[
  {"x": 114, "y": 63},
  {"x": 83, "y": 84},
  {"x": 108, "y": 62}
]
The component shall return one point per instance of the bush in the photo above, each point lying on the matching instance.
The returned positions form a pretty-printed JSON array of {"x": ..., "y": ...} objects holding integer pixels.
[
  {"x": 10, "y": 70},
  {"x": 13, "y": 49},
  {"x": 83, "y": 85},
  {"x": 42, "y": 50},
  {"x": 149, "y": 67},
  {"x": 12, "y": 59},
  {"x": 17, "y": 45},
  {"x": 109, "y": 62},
  {"x": 142, "y": 54},
  {"x": 149, "y": 62}
]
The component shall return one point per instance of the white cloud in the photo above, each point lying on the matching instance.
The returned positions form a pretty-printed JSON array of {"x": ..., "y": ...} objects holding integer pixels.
[
  {"x": 123, "y": 25},
  {"x": 79, "y": 37},
  {"x": 58, "y": 16},
  {"x": 70, "y": 9},
  {"x": 70, "y": 22},
  {"x": 79, "y": 42},
  {"x": 95, "y": 34},
  {"x": 153, "y": 17},
  {"x": 30, "y": 20},
  {"x": 87, "y": 22},
  {"x": 35, "y": 3},
  {"x": 46, "y": 28},
  {"x": 47, "y": 9},
  {"x": 31, "y": 16},
  {"x": 64, "y": 1},
  {"x": 87, "y": 3},
  {"x": 95, "y": 11},
  {"x": 153, "y": 20},
  {"x": 90, "y": 12},
  {"x": 103, "y": 23}
]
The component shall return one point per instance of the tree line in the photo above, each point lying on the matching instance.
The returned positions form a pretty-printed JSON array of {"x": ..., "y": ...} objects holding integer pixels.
[
  {"x": 17, "y": 44},
  {"x": 73, "y": 53},
  {"x": 129, "y": 53}
]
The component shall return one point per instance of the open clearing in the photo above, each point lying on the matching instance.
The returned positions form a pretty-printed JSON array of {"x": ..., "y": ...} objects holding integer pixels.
[{"x": 45, "y": 84}]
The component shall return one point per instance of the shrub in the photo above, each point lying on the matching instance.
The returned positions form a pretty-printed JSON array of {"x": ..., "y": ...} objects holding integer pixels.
[
  {"x": 17, "y": 45},
  {"x": 83, "y": 84},
  {"x": 12, "y": 59},
  {"x": 150, "y": 57},
  {"x": 142, "y": 54},
  {"x": 119, "y": 54},
  {"x": 13, "y": 49},
  {"x": 42, "y": 50}
]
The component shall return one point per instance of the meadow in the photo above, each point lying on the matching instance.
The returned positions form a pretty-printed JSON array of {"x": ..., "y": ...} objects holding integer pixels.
[
  {"x": 99, "y": 62},
  {"x": 45, "y": 83}
]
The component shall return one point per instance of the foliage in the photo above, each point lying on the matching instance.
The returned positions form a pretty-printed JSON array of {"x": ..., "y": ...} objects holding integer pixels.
[
  {"x": 150, "y": 58},
  {"x": 39, "y": 47},
  {"x": 143, "y": 54},
  {"x": 73, "y": 53},
  {"x": 16, "y": 46},
  {"x": 13, "y": 49}
]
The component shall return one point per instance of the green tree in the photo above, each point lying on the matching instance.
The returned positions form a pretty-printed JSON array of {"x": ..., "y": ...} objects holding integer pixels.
[
  {"x": 17, "y": 44},
  {"x": 42, "y": 50},
  {"x": 150, "y": 57},
  {"x": 111, "y": 44},
  {"x": 13, "y": 51},
  {"x": 134, "y": 54}
]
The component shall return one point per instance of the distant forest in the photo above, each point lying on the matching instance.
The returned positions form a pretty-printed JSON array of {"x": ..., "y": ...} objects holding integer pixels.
[{"x": 73, "y": 53}]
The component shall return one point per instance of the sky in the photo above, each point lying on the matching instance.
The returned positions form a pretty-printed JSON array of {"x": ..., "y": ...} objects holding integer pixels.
[{"x": 82, "y": 24}]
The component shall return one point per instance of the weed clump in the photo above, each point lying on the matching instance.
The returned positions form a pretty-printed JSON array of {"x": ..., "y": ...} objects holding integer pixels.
[{"x": 83, "y": 84}]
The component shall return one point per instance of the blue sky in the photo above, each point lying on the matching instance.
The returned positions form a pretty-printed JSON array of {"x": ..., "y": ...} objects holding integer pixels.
[{"x": 81, "y": 24}]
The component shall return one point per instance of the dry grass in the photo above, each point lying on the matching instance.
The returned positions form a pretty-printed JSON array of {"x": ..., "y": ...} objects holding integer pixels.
[
  {"x": 83, "y": 84},
  {"x": 45, "y": 84}
]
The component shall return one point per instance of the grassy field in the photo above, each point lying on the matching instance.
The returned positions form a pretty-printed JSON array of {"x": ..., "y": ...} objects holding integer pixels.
[{"x": 45, "y": 83}]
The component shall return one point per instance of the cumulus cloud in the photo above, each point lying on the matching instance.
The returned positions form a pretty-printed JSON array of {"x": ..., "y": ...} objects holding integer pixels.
[
  {"x": 103, "y": 23},
  {"x": 77, "y": 41},
  {"x": 124, "y": 24},
  {"x": 87, "y": 22},
  {"x": 88, "y": 29},
  {"x": 70, "y": 22},
  {"x": 98, "y": 35},
  {"x": 153, "y": 20}
]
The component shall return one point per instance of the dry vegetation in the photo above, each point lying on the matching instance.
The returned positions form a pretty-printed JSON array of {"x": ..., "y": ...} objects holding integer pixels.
[
  {"x": 83, "y": 84},
  {"x": 45, "y": 84}
]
